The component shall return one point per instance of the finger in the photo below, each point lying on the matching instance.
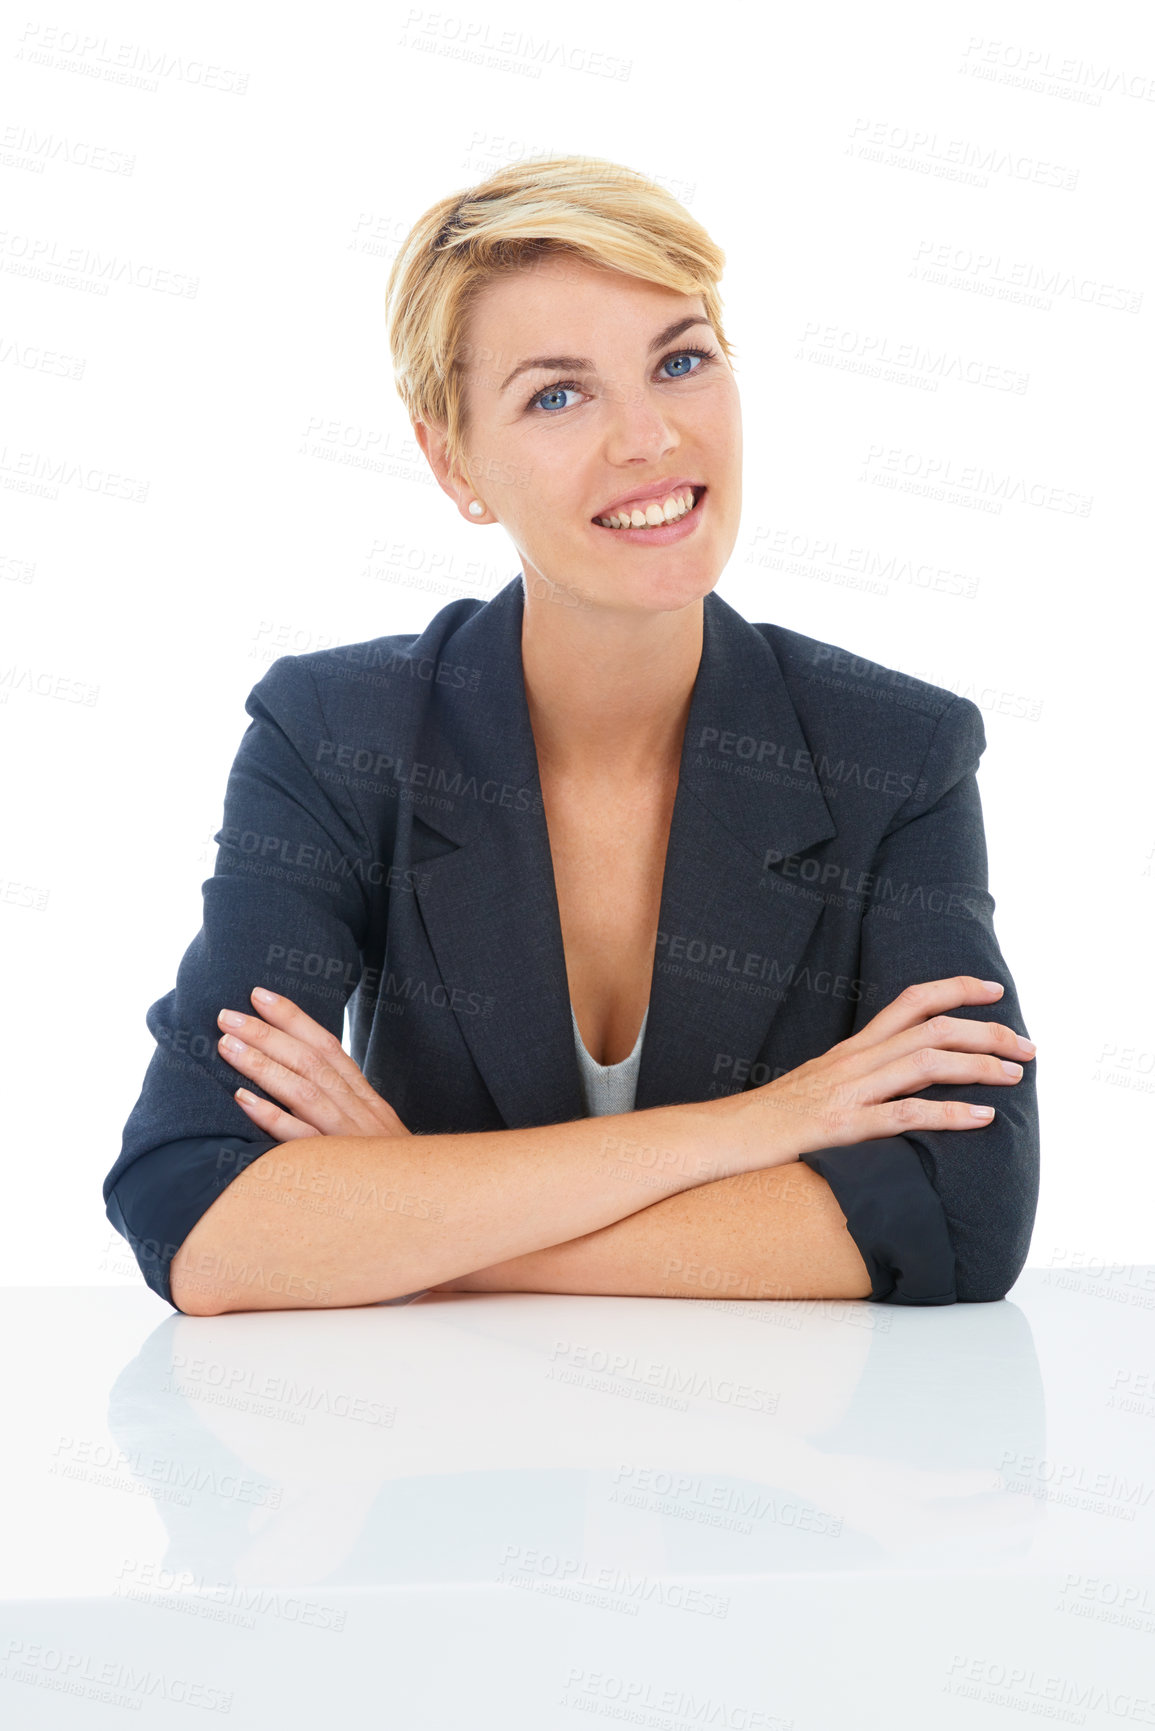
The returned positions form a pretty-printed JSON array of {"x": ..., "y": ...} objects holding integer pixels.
[
  {"x": 268, "y": 1116},
  {"x": 942, "y": 1033},
  {"x": 282, "y": 1014},
  {"x": 965, "y": 1034},
  {"x": 335, "y": 1107},
  {"x": 840, "y": 1128},
  {"x": 927, "y": 1067},
  {"x": 368, "y": 1113},
  {"x": 896, "y": 1117},
  {"x": 321, "y": 1058},
  {"x": 332, "y": 1111},
  {"x": 921, "y": 1001}
]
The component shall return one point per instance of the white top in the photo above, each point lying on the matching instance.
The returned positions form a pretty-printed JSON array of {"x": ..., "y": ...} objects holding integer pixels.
[{"x": 608, "y": 1088}]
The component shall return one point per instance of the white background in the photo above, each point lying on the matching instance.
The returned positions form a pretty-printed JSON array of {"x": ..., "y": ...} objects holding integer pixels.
[{"x": 961, "y": 191}]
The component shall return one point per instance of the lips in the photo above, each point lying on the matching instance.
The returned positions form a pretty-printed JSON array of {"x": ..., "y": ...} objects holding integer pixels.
[{"x": 659, "y": 491}]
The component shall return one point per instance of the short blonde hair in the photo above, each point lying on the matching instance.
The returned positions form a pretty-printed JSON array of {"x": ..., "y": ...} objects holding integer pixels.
[{"x": 610, "y": 216}]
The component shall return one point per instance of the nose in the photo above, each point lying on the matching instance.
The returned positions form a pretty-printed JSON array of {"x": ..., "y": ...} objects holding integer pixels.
[{"x": 639, "y": 430}]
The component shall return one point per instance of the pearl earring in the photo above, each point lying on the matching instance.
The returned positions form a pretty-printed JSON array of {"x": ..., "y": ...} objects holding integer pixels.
[{"x": 476, "y": 508}]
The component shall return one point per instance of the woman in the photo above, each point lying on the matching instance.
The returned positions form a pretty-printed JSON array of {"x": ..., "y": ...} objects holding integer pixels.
[{"x": 753, "y": 862}]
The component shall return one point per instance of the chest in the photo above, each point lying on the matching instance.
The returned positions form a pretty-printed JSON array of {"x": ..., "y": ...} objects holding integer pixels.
[{"x": 608, "y": 845}]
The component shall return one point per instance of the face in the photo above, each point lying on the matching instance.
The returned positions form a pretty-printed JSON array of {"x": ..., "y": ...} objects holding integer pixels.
[{"x": 586, "y": 391}]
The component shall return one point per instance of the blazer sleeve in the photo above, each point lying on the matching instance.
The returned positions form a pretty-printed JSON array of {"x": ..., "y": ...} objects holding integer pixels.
[
  {"x": 895, "y": 1217},
  {"x": 930, "y": 916},
  {"x": 287, "y": 907}
]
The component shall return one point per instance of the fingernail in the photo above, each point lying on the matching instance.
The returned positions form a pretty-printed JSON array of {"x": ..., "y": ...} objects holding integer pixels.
[
  {"x": 1025, "y": 1045},
  {"x": 992, "y": 985},
  {"x": 263, "y": 997},
  {"x": 982, "y": 1111},
  {"x": 231, "y": 1019},
  {"x": 231, "y": 1044},
  {"x": 1011, "y": 1069}
]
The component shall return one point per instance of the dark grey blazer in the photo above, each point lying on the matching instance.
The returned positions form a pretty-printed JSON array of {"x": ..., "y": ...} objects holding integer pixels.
[{"x": 384, "y": 844}]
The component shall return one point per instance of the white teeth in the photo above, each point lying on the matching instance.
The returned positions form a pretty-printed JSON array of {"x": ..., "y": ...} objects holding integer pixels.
[{"x": 673, "y": 507}]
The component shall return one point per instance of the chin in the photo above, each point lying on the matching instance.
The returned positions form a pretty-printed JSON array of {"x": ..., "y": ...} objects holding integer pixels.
[{"x": 670, "y": 591}]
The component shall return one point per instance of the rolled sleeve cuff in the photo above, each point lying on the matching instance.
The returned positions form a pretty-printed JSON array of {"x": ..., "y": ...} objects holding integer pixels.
[
  {"x": 161, "y": 1196},
  {"x": 895, "y": 1217}
]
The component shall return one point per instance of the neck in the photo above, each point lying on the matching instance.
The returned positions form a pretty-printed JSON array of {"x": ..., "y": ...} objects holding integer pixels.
[{"x": 609, "y": 692}]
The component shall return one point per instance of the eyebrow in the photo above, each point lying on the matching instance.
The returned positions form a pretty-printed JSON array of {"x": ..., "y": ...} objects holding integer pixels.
[{"x": 582, "y": 364}]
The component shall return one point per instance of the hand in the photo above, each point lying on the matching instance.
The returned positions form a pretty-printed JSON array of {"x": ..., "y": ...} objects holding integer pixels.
[
  {"x": 292, "y": 1057},
  {"x": 854, "y": 1092}
]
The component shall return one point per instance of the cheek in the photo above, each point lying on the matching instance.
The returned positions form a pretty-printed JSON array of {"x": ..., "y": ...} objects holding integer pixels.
[{"x": 548, "y": 501}]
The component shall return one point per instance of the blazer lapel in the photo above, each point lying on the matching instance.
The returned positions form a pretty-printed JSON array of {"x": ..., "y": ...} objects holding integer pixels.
[{"x": 731, "y": 928}]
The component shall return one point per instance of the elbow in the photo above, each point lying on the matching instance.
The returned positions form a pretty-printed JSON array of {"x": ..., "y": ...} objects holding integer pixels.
[
  {"x": 987, "y": 1286},
  {"x": 186, "y": 1296},
  {"x": 993, "y": 1221},
  {"x": 190, "y": 1302},
  {"x": 191, "y": 1284},
  {"x": 988, "y": 1263}
]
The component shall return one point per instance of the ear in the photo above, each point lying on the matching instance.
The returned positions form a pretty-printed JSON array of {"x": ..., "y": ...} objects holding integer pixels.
[{"x": 434, "y": 442}]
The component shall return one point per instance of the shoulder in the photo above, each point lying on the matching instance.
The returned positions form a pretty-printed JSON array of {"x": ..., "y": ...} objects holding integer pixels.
[
  {"x": 817, "y": 671},
  {"x": 348, "y": 680},
  {"x": 868, "y": 724},
  {"x": 838, "y": 690}
]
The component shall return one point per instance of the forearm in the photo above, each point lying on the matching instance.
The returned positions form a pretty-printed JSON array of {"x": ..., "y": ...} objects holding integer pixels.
[
  {"x": 777, "y": 1232},
  {"x": 330, "y": 1221}
]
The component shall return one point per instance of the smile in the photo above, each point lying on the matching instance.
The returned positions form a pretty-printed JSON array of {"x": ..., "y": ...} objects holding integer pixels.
[{"x": 655, "y": 516}]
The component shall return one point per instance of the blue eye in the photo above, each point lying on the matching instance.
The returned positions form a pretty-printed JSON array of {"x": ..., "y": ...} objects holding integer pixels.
[
  {"x": 560, "y": 385},
  {"x": 686, "y": 354},
  {"x": 553, "y": 391}
]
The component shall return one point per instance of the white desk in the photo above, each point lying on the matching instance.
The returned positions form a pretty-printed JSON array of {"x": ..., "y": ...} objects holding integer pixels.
[{"x": 531, "y": 1511}]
